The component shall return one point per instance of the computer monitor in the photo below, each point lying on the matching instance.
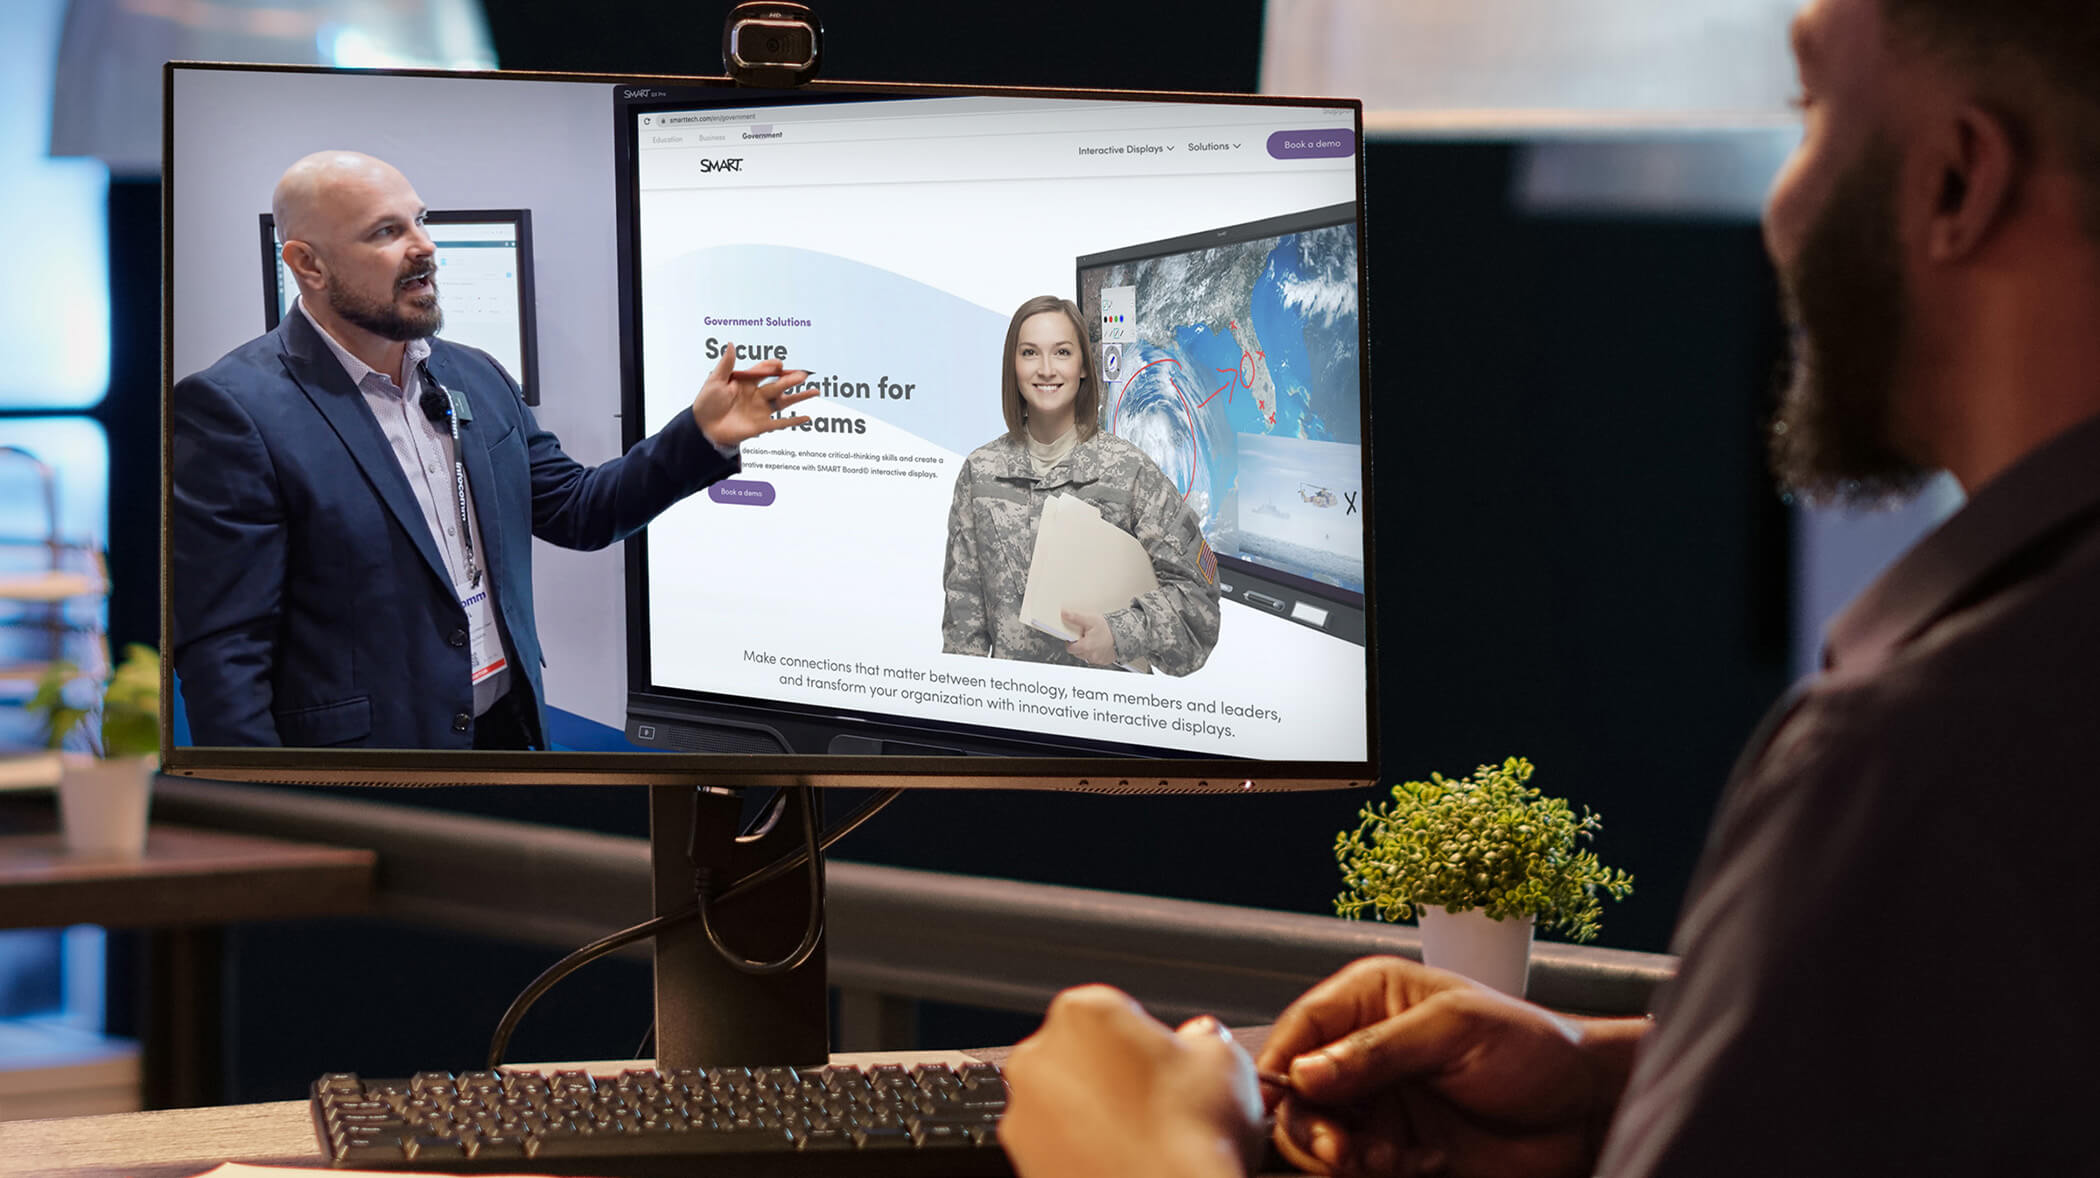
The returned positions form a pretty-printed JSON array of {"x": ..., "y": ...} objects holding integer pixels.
[
  {"x": 796, "y": 623},
  {"x": 783, "y": 225},
  {"x": 484, "y": 259}
]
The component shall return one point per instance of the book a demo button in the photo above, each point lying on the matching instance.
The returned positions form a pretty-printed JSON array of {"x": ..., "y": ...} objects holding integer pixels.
[
  {"x": 1312, "y": 145},
  {"x": 749, "y": 492}
]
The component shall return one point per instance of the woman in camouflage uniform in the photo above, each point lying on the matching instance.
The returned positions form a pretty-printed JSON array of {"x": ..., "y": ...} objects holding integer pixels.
[{"x": 1054, "y": 443}]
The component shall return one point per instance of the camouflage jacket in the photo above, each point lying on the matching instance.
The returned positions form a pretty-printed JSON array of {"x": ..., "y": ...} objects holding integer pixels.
[{"x": 991, "y": 541}]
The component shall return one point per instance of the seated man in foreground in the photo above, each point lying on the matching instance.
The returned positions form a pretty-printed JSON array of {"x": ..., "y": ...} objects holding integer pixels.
[{"x": 1938, "y": 240}]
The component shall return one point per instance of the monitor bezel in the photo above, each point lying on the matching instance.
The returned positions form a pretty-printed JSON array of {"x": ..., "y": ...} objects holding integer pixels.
[{"x": 416, "y": 767}]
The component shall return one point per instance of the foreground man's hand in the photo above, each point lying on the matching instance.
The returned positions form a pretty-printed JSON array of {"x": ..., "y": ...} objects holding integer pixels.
[
  {"x": 1105, "y": 1091},
  {"x": 735, "y": 405},
  {"x": 1397, "y": 1069}
]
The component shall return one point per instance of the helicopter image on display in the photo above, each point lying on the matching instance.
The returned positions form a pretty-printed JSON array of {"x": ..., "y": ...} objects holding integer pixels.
[{"x": 1316, "y": 496}]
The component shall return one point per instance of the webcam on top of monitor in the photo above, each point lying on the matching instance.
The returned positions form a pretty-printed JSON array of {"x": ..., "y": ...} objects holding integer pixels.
[{"x": 775, "y": 45}]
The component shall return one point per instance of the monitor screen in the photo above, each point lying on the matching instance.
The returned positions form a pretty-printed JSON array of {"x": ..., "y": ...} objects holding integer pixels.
[
  {"x": 911, "y": 585},
  {"x": 484, "y": 259},
  {"x": 885, "y": 245}
]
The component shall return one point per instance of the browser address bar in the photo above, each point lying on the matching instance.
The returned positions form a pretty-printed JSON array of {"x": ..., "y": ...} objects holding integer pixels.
[{"x": 692, "y": 120}]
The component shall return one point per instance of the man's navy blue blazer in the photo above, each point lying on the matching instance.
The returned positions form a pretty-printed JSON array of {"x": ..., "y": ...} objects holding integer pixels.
[{"x": 310, "y": 605}]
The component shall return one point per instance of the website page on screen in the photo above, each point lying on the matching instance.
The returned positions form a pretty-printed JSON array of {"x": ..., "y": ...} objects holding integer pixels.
[{"x": 884, "y": 246}]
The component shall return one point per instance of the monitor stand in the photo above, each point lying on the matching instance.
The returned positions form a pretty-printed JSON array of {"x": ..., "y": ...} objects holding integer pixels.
[{"x": 708, "y": 1012}]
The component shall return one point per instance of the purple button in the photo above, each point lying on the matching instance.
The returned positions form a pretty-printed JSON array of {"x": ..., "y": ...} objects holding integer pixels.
[
  {"x": 1312, "y": 145},
  {"x": 750, "y": 492}
]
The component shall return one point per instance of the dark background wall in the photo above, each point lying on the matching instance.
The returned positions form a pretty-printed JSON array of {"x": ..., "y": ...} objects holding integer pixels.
[{"x": 1579, "y": 559}]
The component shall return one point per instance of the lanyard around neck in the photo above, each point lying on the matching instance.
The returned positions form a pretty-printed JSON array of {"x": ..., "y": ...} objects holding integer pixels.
[{"x": 438, "y": 405}]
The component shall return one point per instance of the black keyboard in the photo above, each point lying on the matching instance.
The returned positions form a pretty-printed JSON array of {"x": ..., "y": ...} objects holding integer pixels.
[{"x": 923, "y": 1122}]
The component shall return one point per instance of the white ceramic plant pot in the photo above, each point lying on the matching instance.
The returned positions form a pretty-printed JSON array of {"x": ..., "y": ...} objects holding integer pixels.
[
  {"x": 1496, "y": 953},
  {"x": 102, "y": 804}
]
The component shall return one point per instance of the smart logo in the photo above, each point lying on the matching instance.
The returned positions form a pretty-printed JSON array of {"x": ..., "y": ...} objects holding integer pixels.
[{"x": 728, "y": 165}]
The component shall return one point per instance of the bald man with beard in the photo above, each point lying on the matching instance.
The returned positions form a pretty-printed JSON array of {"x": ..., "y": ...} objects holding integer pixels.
[{"x": 354, "y": 500}]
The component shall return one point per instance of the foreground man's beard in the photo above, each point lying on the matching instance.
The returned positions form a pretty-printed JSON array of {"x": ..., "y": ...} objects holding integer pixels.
[
  {"x": 1834, "y": 437},
  {"x": 386, "y": 319}
]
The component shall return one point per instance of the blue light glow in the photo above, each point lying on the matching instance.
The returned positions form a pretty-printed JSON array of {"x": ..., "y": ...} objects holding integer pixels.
[{"x": 54, "y": 307}]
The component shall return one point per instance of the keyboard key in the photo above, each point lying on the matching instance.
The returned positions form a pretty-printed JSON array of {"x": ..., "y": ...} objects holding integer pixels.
[
  {"x": 383, "y": 1122},
  {"x": 354, "y": 1153},
  {"x": 938, "y": 1135},
  {"x": 988, "y": 1080},
  {"x": 826, "y": 1139},
  {"x": 883, "y": 1138},
  {"x": 525, "y": 1083},
  {"x": 494, "y": 1148},
  {"x": 426, "y": 1148}
]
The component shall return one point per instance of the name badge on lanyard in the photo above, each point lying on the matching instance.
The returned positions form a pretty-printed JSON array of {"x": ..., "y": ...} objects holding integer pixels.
[{"x": 484, "y": 647}]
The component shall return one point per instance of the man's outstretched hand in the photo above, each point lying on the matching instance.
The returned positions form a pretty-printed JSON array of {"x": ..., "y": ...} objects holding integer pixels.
[
  {"x": 735, "y": 405},
  {"x": 1397, "y": 1069}
]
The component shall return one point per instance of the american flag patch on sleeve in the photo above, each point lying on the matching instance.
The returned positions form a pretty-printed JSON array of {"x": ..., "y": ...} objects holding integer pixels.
[{"x": 1206, "y": 561}]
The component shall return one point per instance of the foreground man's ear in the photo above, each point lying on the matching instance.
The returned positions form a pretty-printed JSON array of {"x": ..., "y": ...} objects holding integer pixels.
[{"x": 1976, "y": 163}]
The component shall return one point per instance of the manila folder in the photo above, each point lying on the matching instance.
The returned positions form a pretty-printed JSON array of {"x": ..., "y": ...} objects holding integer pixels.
[{"x": 1083, "y": 563}]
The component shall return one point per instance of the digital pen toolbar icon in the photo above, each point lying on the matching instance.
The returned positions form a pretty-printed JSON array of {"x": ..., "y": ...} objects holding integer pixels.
[
  {"x": 1118, "y": 314},
  {"x": 1111, "y": 361}
]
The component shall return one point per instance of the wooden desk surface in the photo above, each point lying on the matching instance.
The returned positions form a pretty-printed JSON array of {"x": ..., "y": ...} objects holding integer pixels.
[
  {"x": 186, "y": 877},
  {"x": 172, "y": 1144}
]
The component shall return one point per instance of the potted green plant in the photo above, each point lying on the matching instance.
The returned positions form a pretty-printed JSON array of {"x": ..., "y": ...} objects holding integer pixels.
[
  {"x": 1478, "y": 862},
  {"x": 113, "y": 725}
]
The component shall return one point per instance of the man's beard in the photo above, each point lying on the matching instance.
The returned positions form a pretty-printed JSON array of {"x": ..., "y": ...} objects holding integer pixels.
[
  {"x": 1846, "y": 302},
  {"x": 386, "y": 319}
]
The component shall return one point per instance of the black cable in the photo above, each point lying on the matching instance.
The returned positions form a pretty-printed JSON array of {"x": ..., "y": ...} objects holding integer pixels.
[
  {"x": 794, "y": 859},
  {"x": 812, "y": 932},
  {"x": 613, "y": 942},
  {"x": 763, "y": 823},
  {"x": 553, "y": 974}
]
